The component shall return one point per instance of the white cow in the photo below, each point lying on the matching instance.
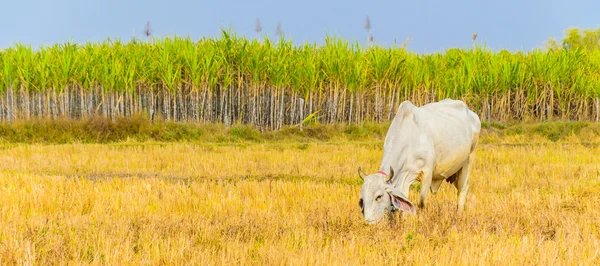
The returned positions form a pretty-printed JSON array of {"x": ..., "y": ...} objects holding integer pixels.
[{"x": 430, "y": 144}]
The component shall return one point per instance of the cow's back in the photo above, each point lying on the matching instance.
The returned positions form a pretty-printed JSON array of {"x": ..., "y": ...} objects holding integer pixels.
[{"x": 452, "y": 113}]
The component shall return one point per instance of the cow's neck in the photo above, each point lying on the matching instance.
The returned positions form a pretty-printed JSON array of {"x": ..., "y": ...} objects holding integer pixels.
[
  {"x": 401, "y": 146},
  {"x": 402, "y": 159}
]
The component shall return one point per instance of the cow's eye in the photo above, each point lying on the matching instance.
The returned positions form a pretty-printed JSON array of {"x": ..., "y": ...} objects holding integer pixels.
[{"x": 378, "y": 199}]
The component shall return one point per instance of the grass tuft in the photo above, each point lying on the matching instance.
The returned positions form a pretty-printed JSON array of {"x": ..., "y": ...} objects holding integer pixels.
[{"x": 559, "y": 130}]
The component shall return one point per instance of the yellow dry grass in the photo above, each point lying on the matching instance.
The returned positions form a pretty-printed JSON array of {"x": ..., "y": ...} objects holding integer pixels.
[{"x": 293, "y": 204}]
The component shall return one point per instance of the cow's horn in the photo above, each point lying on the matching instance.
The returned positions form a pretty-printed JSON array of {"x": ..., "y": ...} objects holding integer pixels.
[
  {"x": 390, "y": 175},
  {"x": 361, "y": 173}
]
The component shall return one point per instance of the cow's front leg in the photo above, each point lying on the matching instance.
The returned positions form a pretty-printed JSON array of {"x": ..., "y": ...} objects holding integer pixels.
[{"x": 426, "y": 179}]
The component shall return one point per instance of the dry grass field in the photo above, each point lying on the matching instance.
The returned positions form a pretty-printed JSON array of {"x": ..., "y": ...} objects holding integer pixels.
[{"x": 531, "y": 203}]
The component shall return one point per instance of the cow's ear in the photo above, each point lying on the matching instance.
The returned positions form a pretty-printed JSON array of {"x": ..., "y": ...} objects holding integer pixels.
[{"x": 401, "y": 202}]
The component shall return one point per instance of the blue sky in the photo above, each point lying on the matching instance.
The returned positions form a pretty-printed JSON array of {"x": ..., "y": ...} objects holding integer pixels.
[{"x": 433, "y": 25}]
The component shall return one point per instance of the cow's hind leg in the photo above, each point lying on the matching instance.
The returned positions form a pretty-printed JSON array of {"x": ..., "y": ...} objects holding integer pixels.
[{"x": 462, "y": 182}]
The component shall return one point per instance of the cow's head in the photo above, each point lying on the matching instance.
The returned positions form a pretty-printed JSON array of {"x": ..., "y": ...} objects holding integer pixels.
[{"x": 378, "y": 195}]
